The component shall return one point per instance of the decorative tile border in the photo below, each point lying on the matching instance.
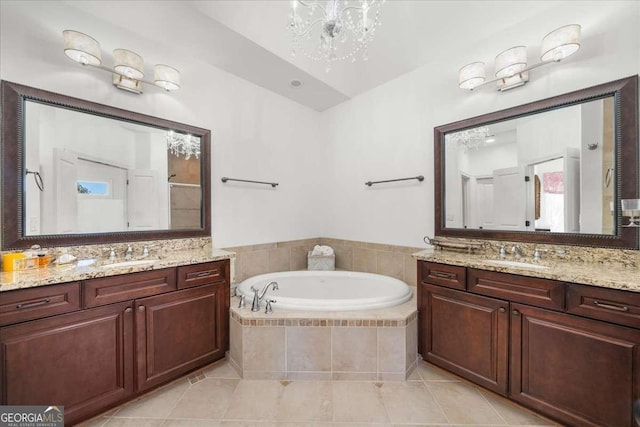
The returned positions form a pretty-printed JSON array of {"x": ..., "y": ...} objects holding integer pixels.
[{"x": 323, "y": 323}]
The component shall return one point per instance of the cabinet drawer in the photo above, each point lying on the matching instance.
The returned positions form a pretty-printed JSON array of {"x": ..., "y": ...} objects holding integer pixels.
[
  {"x": 201, "y": 274},
  {"x": 451, "y": 276},
  {"x": 125, "y": 287},
  {"x": 28, "y": 304},
  {"x": 528, "y": 290},
  {"x": 610, "y": 305}
]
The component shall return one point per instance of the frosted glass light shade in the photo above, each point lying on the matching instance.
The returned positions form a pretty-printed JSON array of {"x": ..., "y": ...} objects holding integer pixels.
[
  {"x": 166, "y": 77},
  {"x": 471, "y": 75},
  {"x": 511, "y": 62},
  {"x": 81, "y": 48},
  {"x": 560, "y": 43},
  {"x": 128, "y": 63}
]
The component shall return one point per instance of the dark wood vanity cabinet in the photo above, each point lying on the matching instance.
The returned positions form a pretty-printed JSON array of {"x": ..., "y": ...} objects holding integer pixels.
[
  {"x": 167, "y": 347},
  {"x": 581, "y": 371},
  {"x": 92, "y": 358},
  {"x": 466, "y": 334},
  {"x": 521, "y": 337},
  {"x": 82, "y": 360}
]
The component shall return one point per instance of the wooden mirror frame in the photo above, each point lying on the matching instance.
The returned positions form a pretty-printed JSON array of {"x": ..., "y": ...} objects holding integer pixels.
[
  {"x": 625, "y": 93},
  {"x": 13, "y": 174}
]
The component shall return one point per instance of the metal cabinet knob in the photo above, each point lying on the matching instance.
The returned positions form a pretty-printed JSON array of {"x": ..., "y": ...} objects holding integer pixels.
[
  {"x": 502, "y": 310},
  {"x": 128, "y": 310},
  {"x": 141, "y": 308},
  {"x": 516, "y": 313}
]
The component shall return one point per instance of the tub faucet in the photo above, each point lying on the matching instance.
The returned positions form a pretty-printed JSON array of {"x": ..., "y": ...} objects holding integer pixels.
[{"x": 259, "y": 295}]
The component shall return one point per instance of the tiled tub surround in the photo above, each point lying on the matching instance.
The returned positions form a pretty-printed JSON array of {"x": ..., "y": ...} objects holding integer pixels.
[
  {"x": 356, "y": 345},
  {"x": 390, "y": 260},
  {"x": 169, "y": 253}
]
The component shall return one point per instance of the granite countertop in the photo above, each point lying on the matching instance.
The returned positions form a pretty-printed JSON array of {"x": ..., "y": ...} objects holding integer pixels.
[
  {"x": 71, "y": 272},
  {"x": 605, "y": 275}
]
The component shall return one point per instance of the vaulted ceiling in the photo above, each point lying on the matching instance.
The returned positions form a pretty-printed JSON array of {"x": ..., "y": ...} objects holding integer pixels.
[{"x": 249, "y": 38}]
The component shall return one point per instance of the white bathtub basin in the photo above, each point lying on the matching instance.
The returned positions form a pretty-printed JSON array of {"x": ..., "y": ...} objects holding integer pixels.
[
  {"x": 129, "y": 263},
  {"x": 516, "y": 264},
  {"x": 329, "y": 290}
]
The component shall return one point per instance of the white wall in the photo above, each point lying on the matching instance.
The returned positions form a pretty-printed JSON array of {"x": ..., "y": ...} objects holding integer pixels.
[
  {"x": 388, "y": 131},
  {"x": 256, "y": 134},
  {"x": 320, "y": 160}
]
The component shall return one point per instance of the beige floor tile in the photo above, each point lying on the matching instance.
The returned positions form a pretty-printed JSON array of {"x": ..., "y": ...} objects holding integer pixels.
[
  {"x": 271, "y": 424},
  {"x": 134, "y": 422},
  {"x": 411, "y": 402},
  {"x": 305, "y": 401},
  {"x": 208, "y": 399},
  {"x": 94, "y": 422},
  {"x": 415, "y": 376},
  {"x": 463, "y": 403},
  {"x": 222, "y": 370},
  {"x": 157, "y": 404},
  {"x": 514, "y": 414},
  {"x": 429, "y": 372},
  {"x": 191, "y": 423},
  {"x": 358, "y": 402},
  {"x": 360, "y": 425},
  {"x": 254, "y": 400}
]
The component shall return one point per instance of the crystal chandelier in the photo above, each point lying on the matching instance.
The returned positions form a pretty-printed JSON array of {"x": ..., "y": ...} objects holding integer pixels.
[
  {"x": 343, "y": 28},
  {"x": 183, "y": 145},
  {"x": 468, "y": 139}
]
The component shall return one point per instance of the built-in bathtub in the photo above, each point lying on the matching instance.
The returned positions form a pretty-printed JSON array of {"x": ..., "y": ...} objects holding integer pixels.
[
  {"x": 329, "y": 290},
  {"x": 326, "y": 325}
]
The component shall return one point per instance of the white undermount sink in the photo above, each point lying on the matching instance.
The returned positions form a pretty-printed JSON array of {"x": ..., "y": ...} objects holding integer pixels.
[
  {"x": 129, "y": 263},
  {"x": 516, "y": 264}
]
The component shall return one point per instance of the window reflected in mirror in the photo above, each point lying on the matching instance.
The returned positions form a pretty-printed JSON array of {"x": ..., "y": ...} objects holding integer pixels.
[
  {"x": 104, "y": 175},
  {"x": 550, "y": 172}
]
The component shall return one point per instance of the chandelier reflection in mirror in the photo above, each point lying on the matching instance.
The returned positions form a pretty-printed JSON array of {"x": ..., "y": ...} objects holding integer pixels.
[
  {"x": 469, "y": 139},
  {"x": 333, "y": 30},
  {"x": 183, "y": 145}
]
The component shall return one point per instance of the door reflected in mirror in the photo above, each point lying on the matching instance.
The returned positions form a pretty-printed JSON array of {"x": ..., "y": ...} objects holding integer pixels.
[
  {"x": 550, "y": 172},
  {"x": 102, "y": 175}
]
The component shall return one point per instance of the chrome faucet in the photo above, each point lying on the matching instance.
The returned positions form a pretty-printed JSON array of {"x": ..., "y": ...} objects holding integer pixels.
[
  {"x": 112, "y": 253},
  {"x": 502, "y": 252},
  {"x": 536, "y": 253},
  {"x": 128, "y": 253},
  {"x": 259, "y": 295},
  {"x": 516, "y": 251}
]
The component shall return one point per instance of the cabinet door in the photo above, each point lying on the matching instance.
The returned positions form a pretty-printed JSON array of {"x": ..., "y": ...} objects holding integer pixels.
[
  {"x": 81, "y": 360},
  {"x": 180, "y": 331},
  {"x": 580, "y": 371},
  {"x": 466, "y": 334}
]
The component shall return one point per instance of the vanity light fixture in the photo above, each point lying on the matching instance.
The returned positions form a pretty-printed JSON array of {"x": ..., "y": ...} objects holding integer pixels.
[
  {"x": 128, "y": 69},
  {"x": 511, "y": 68}
]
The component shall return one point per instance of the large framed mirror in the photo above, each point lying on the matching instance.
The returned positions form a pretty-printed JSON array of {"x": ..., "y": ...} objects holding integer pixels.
[
  {"x": 75, "y": 172},
  {"x": 552, "y": 171}
]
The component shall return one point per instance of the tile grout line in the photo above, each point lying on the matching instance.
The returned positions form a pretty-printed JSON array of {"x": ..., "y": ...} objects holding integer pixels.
[
  {"x": 433, "y": 396},
  {"x": 490, "y": 405}
]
